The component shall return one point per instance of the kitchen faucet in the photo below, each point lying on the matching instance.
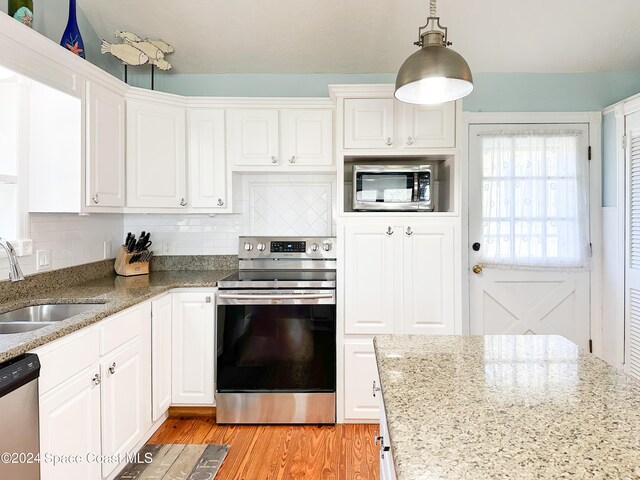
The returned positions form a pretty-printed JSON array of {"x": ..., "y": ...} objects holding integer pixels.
[{"x": 15, "y": 273}]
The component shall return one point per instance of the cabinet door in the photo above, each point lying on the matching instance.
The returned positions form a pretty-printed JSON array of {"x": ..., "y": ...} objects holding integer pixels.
[
  {"x": 254, "y": 137},
  {"x": 428, "y": 279},
  {"x": 105, "y": 147},
  {"x": 70, "y": 425},
  {"x": 193, "y": 326},
  {"x": 160, "y": 356},
  {"x": 373, "y": 277},
  {"x": 308, "y": 137},
  {"x": 361, "y": 400},
  {"x": 124, "y": 400},
  {"x": 208, "y": 186},
  {"x": 427, "y": 126},
  {"x": 156, "y": 165},
  {"x": 368, "y": 123}
]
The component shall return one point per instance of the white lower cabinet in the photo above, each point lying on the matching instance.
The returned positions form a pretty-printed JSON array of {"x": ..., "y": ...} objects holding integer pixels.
[
  {"x": 160, "y": 355},
  {"x": 193, "y": 327},
  {"x": 360, "y": 381},
  {"x": 387, "y": 468},
  {"x": 70, "y": 425}
]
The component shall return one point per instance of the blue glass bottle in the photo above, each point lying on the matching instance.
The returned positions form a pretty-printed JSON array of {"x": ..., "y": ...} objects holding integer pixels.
[{"x": 71, "y": 38}]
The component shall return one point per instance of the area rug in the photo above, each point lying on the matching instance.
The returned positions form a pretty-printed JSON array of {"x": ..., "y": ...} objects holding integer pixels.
[{"x": 175, "y": 462}]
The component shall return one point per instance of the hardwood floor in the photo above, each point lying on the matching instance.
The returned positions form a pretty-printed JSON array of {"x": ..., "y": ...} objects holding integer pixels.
[{"x": 282, "y": 452}]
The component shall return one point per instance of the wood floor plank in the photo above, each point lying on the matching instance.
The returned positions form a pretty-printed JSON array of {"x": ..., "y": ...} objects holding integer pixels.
[{"x": 282, "y": 452}]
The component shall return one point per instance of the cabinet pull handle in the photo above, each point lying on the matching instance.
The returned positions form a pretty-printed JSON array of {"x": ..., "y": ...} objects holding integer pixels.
[
  {"x": 207, "y": 299},
  {"x": 389, "y": 141},
  {"x": 112, "y": 368},
  {"x": 220, "y": 202},
  {"x": 292, "y": 159},
  {"x": 95, "y": 199},
  {"x": 409, "y": 232},
  {"x": 96, "y": 379},
  {"x": 183, "y": 202},
  {"x": 376, "y": 437},
  {"x": 409, "y": 141},
  {"x": 375, "y": 389},
  {"x": 274, "y": 159},
  {"x": 389, "y": 231}
]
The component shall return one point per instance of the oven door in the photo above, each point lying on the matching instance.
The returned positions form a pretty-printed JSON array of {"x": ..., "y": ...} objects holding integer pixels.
[{"x": 276, "y": 341}]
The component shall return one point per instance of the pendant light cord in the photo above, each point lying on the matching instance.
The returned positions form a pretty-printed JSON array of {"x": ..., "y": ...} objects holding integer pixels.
[{"x": 432, "y": 7}]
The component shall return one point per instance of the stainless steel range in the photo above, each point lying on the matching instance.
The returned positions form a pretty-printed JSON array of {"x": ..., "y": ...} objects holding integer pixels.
[{"x": 276, "y": 333}]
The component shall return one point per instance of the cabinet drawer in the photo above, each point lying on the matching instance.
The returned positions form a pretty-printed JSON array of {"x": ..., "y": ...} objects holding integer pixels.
[
  {"x": 121, "y": 328},
  {"x": 66, "y": 357}
]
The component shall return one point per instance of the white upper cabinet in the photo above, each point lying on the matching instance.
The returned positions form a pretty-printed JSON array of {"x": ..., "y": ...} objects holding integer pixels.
[
  {"x": 254, "y": 137},
  {"x": 307, "y": 137},
  {"x": 285, "y": 138},
  {"x": 368, "y": 123},
  {"x": 383, "y": 123},
  {"x": 209, "y": 182},
  {"x": 105, "y": 147},
  {"x": 156, "y": 155}
]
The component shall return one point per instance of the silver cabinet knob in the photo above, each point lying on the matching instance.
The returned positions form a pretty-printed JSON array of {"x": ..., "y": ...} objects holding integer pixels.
[
  {"x": 112, "y": 368},
  {"x": 314, "y": 247},
  {"x": 326, "y": 246},
  {"x": 95, "y": 199},
  {"x": 96, "y": 379},
  {"x": 207, "y": 299},
  {"x": 409, "y": 141},
  {"x": 389, "y": 231},
  {"x": 375, "y": 388},
  {"x": 220, "y": 202},
  {"x": 292, "y": 159},
  {"x": 274, "y": 159},
  {"x": 262, "y": 247},
  {"x": 183, "y": 202},
  {"x": 409, "y": 232},
  {"x": 389, "y": 141},
  {"x": 248, "y": 247}
]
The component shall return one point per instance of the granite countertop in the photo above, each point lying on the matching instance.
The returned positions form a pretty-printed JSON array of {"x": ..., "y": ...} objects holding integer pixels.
[
  {"x": 114, "y": 292},
  {"x": 520, "y": 407}
]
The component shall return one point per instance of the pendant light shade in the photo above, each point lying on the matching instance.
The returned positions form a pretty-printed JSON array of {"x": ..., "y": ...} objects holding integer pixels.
[{"x": 435, "y": 73}]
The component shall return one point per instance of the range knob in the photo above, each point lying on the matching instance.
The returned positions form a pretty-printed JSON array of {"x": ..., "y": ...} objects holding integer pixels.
[
  {"x": 248, "y": 247},
  {"x": 326, "y": 247},
  {"x": 262, "y": 247},
  {"x": 314, "y": 247}
]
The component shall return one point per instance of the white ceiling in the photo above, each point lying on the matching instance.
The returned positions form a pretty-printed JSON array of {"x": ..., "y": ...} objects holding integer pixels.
[{"x": 369, "y": 36}]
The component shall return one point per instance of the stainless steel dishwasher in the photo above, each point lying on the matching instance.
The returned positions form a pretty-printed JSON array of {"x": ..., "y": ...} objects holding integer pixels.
[{"x": 19, "y": 419}]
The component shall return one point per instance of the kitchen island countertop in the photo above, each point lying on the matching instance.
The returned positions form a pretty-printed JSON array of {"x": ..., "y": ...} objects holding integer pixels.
[
  {"x": 520, "y": 407},
  {"x": 113, "y": 292}
]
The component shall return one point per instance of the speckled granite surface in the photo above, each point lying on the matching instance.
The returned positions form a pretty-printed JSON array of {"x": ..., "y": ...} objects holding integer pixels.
[
  {"x": 194, "y": 262},
  {"x": 508, "y": 407},
  {"x": 116, "y": 294}
]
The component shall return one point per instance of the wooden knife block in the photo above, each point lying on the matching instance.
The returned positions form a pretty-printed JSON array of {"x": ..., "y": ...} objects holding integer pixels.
[{"x": 126, "y": 269}]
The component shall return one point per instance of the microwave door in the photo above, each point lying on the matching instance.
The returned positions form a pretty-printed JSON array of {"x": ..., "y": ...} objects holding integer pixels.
[{"x": 385, "y": 191}]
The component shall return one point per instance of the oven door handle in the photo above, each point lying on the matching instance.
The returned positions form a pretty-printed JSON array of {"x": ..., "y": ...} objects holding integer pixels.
[{"x": 291, "y": 296}]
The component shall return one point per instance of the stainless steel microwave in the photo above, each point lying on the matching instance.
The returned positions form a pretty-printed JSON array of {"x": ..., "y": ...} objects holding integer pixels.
[{"x": 393, "y": 188}]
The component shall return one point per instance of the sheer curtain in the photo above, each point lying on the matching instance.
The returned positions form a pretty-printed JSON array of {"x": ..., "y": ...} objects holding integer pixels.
[{"x": 534, "y": 200}]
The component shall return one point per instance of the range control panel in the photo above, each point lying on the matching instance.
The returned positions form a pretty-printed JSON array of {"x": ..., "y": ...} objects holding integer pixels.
[{"x": 288, "y": 247}]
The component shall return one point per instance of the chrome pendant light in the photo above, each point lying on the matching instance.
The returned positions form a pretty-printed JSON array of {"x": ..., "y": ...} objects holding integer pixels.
[{"x": 435, "y": 73}]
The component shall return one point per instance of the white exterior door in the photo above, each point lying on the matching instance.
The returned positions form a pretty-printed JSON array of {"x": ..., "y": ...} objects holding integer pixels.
[
  {"x": 361, "y": 400},
  {"x": 70, "y": 425},
  {"x": 156, "y": 155},
  {"x": 254, "y": 137},
  {"x": 428, "y": 279},
  {"x": 308, "y": 137},
  {"x": 368, "y": 123},
  {"x": 125, "y": 404},
  {"x": 427, "y": 126},
  {"x": 522, "y": 230},
  {"x": 105, "y": 147},
  {"x": 193, "y": 326},
  {"x": 207, "y": 160},
  {"x": 632, "y": 257},
  {"x": 373, "y": 277},
  {"x": 161, "y": 355}
]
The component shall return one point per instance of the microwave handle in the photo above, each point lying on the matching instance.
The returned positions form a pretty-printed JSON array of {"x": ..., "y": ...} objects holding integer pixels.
[{"x": 416, "y": 176}]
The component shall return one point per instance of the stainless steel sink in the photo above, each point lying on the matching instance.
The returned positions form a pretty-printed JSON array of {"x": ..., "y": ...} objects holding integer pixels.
[{"x": 32, "y": 318}]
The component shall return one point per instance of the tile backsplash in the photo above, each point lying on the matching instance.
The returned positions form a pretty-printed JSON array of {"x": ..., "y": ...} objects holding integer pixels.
[
  {"x": 267, "y": 205},
  {"x": 70, "y": 239}
]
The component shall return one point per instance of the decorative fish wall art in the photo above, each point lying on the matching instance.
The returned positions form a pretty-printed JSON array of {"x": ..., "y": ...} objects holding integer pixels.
[{"x": 136, "y": 51}]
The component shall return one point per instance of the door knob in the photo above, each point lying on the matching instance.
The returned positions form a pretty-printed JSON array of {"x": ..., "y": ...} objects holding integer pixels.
[{"x": 477, "y": 269}]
